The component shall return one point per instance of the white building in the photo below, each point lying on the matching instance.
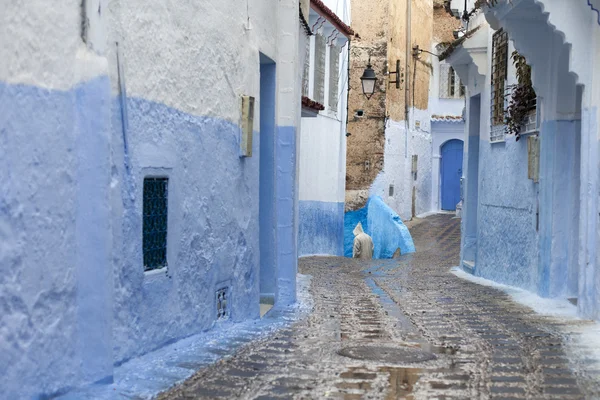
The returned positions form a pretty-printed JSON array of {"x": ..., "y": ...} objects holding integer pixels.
[
  {"x": 531, "y": 206},
  {"x": 135, "y": 208},
  {"x": 446, "y": 104},
  {"x": 322, "y": 158}
]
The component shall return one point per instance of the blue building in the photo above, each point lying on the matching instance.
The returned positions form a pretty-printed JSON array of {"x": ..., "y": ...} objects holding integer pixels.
[
  {"x": 149, "y": 157},
  {"x": 531, "y": 205}
]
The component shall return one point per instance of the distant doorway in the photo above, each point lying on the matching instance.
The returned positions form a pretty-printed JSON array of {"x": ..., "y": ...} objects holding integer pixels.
[
  {"x": 451, "y": 171},
  {"x": 266, "y": 212}
]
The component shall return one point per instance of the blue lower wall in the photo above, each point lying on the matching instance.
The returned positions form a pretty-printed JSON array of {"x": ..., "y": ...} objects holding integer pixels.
[
  {"x": 321, "y": 228},
  {"x": 506, "y": 217},
  {"x": 285, "y": 195}
]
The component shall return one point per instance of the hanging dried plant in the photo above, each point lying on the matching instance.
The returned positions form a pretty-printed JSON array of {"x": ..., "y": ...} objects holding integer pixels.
[{"x": 522, "y": 98}]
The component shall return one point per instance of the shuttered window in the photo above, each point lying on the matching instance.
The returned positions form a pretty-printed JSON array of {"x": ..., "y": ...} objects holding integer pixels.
[
  {"x": 334, "y": 77},
  {"x": 319, "y": 82},
  {"x": 450, "y": 85},
  {"x": 306, "y": 72}
]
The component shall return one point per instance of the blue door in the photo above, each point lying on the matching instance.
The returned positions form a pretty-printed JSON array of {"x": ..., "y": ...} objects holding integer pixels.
[{"x": 452, "y": 160}]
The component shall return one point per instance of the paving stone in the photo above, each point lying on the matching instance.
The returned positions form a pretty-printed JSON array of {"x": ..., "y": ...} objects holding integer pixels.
[{"x": 507, "y": 379}]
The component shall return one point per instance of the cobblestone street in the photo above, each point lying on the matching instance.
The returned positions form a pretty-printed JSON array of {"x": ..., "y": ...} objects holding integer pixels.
[{"x": 403, "y": 328}]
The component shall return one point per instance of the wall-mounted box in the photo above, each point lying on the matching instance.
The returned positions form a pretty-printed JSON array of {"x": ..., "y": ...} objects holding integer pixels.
[
  {"x": 247, "y": 126},
  {"x": 533, "y": 158}
]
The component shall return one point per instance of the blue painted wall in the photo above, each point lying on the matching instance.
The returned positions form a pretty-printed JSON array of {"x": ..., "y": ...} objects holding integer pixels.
[
  {"x": 285, "y": 195},
  {"x": 559, "y": 209},
  {"x": 321, "y": 228},
  {"x": 507, "y": 237},
  {"x": 387, "y": 230},
  {"x": 213, "y": 226},
  {"x": 55, "y": 238}
]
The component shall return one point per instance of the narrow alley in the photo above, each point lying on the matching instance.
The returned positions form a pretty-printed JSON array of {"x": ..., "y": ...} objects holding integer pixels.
[{"x": 402, "y": 328}]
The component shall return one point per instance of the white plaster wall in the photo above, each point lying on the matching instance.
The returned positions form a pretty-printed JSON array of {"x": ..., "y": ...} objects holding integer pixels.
[
  {"x": 197, "y": 65},
  {"x": 437, "y": 105},
  {"x": 320, "y": 163},
  {"x": 53, "y": 34},
  {"x": 399, "y": 148}
]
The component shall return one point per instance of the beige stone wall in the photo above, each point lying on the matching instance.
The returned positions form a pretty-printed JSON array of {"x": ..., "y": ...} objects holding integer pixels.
[
  {"x": 443, "y": 23},
  {"x": 365, "y": 144},
  {"x": 382, "y": 29},
  {"x": 421, "y": 34}
]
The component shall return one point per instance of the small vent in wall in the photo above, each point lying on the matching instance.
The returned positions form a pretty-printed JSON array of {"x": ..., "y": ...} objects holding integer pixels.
[
  {"x": 360, "y": 113},
  {"x": 391, "y": 191},
  {"x": 222, "y": 298}
]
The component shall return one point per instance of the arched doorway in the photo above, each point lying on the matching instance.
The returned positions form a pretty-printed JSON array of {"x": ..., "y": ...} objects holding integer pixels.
[{"x": 451, "y": 172}]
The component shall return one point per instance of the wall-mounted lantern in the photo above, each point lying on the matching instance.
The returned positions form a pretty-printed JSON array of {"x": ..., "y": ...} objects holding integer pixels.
[
  {"x": 368, "y": 80},
  {"x": 399, "y": 75}
]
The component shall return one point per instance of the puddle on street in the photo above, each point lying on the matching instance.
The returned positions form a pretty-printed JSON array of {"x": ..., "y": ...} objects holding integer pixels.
[
  {"x": 438, "y": 349},
  {"x": 402, "y": 382}
]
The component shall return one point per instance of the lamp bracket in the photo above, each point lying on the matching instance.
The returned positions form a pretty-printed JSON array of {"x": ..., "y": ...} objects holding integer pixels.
[{"x": 399, "y": 72}]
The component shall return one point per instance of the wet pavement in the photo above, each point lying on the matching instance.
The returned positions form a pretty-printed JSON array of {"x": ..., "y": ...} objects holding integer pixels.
[{"x": 403, "y": 328}]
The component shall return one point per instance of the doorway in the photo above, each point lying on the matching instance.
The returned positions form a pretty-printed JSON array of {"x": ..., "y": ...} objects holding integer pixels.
[
  {"x": 266, "y": 203},
  {"x": 471, "y": 195},
  {"x": 451, "y": 173}
]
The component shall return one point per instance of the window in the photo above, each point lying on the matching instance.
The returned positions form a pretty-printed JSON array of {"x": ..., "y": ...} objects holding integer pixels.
[
  {"x": 499, "y": 70},
  {"x": 319, "y": 83},
  {"x": 450, "y": 85},
  {"x": 334, "y": 76},
  {"x": 155, "y": 223},
  {"x": 305, "y": 75}
]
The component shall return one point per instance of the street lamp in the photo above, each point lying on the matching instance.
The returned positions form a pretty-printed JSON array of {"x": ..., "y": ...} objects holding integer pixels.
[{"x": 368, "y": 80}]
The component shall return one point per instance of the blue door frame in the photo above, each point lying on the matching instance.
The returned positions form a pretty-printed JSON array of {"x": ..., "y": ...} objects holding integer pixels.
[{"x": 451, "y": 171}]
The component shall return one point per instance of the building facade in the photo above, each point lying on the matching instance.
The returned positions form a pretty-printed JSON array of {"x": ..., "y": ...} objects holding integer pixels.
[
  {"x": 322, "y": 155},
  {"x": 530, "y": 216},
  {"x": 389, "y": 147},
  {"x": 149, "y": 189},
  {"x": 446, "y": 105}
]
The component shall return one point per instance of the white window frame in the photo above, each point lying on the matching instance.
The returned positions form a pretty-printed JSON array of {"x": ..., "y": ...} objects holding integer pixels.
[{"x": 450, "y": 85}]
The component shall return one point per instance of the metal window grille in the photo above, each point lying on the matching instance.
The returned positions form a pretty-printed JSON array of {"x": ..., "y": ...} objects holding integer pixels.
[
  {"x": 319, "y": 83},
  {"x": 450, "y": 85},
  {"x": 155, "y": 223},
  {"x": 222, "y": 298},
  {"x": 499, "y": 71},
  {"x": 305, "y": 75},
  {"x": 334, "y": 76}
]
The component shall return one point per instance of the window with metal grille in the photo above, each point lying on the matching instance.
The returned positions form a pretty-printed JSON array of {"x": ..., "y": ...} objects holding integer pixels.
[
  {"x": 319, "y": 83},
  {"x": 305, "y": 75},
  {"x": 155, "y": 223},
  {"x": 499, "y": 71},
  {"x": 450, "y": 85},
  {"x": 334, "y": 76}
]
